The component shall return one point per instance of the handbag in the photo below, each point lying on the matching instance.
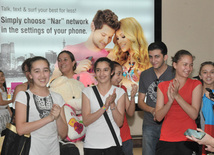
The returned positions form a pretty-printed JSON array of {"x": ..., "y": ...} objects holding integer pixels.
[
  {"x": 76, "y": 129},
  {"x": 68, "y": 148},
  {"x": 15, "y": 144},
  {"x": 119, "y": 149}
]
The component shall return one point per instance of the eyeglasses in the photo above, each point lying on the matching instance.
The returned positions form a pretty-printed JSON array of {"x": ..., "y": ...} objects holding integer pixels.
[{"x": 156, "y": 85}]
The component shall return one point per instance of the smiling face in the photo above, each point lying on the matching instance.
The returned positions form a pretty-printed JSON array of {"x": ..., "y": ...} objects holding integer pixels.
[
  {"x": 103, "y": 72},
  {"x": 40, "y": 73},
  {"x": 118, "y": 76},
  {"x": 184, "y": 66},
  {"x": 207, "y": 74},
  {"x": 102, "y": 37},
  {"x": 157, "y": 59},
  {"x": 65, "y": 63},
  {"x": 123, "y": 41}
]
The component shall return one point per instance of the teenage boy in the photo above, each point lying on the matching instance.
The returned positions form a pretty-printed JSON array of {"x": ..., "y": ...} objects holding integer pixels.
[{"x": 149, "y": 80}]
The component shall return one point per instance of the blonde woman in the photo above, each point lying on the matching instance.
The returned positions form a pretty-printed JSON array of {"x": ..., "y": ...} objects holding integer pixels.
[{"x": 130, "y": 50}]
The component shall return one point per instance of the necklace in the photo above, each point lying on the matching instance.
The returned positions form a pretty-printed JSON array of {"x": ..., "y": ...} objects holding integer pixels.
[
  {"x": 131, "y": 64},
  {"x": 129, "y": 71}
]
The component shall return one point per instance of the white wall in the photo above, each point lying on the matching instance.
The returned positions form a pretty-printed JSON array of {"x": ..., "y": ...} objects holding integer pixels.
[{"x": 189, "y": 24}]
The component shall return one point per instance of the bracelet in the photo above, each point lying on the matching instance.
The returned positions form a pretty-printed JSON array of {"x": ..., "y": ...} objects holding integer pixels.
[
  {"x": 104, "y": 108},
  {"x": 113, "y": 108}
]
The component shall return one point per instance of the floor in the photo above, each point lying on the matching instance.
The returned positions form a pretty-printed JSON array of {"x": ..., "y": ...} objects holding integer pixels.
[
  {"x": 137, "y": 144},
  {"x": 137, "y": 151}
]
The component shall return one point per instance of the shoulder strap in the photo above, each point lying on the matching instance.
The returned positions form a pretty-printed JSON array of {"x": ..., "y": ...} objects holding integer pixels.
[
  {"x": 106, "y": 115},
  {"x": 28, "y": 86},
  {"x": 28, "y": 106},
  {"x": 97, "y": 95}
]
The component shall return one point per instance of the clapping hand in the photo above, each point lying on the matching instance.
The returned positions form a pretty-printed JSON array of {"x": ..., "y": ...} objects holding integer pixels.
[
  {"x": 110, "y": 99},
  {"x": 173, "y": 89},
  {"x": 134, "y": 90},
  {"x": 170, "y": 93},
  {"x": 176, "y": 86},
  {"x": 55, "y": 111}
]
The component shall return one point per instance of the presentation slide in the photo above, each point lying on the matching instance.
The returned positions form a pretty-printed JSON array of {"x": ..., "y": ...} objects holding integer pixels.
[{"x": 43, "y": 28}]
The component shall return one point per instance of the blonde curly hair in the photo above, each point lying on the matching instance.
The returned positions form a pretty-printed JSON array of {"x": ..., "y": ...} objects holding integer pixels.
[{"x": 134, "y": 32}]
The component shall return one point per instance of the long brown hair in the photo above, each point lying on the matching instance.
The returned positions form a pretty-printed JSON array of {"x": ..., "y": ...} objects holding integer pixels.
[{"x": 4, "y": 84}]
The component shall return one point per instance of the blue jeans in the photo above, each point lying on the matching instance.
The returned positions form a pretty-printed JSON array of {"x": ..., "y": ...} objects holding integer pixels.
[
  {"x": 151, "y": 135},
  {"x": 128, "y": 147}
]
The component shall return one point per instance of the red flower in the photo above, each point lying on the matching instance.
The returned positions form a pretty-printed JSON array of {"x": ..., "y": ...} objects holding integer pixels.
[{"x": 78, "y": 127}]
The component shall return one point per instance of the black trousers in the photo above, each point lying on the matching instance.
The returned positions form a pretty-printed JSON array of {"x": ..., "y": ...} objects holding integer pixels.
[
  {"x": 176, "y": 148},
  {"x": 108, "y": 151}
]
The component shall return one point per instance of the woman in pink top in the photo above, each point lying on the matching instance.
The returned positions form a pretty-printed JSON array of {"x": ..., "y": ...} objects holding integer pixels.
[{"x": 178, "y": 105}]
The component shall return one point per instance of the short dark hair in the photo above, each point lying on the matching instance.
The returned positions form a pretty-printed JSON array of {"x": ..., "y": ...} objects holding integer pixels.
[
  {"x": 36, "y": 58},
  {"x": 105, "y": 59},
  {"x": 106, "y": 17},
  {"x": 71, "y": 56},
  {"x": 158, "y": 45},
  {"x": 116, "y": 64},
  {"x": 26, "y": 63}
]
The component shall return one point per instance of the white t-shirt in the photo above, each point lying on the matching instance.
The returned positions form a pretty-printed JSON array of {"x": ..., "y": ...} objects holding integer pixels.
[
  {"x": 4, "y": 97},
  {"x": 98, "y": 134},
  {"x": 44, "y": 141}
]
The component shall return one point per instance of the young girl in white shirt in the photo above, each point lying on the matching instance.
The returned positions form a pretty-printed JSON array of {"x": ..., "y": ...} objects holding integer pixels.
[
  {"x": 46, "y": 115},
  {"x": 99, "y": 139}
]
